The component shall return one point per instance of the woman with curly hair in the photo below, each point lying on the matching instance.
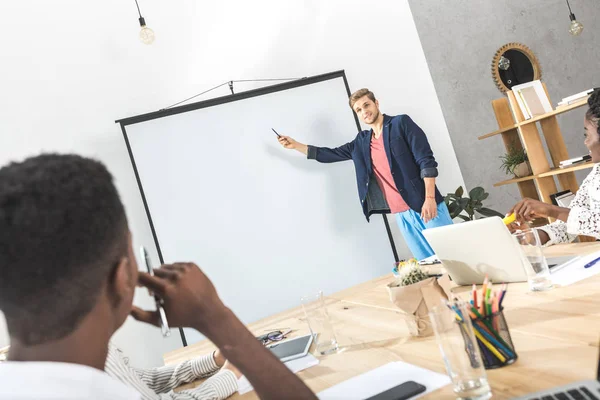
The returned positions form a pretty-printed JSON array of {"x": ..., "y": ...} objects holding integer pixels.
[{"x": 583, "y": 215}]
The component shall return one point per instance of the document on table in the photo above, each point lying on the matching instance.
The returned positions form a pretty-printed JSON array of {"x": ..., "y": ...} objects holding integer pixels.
[
  {"x": 384, "y": 378},
  {"x": 297, "y": 365},
  {"x": 576, "y": 271}
]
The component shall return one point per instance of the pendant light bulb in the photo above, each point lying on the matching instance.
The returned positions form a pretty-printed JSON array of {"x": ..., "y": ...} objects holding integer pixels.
[
  {"x": 146, "y": 34},
  {"x": 576, "y": 27}
]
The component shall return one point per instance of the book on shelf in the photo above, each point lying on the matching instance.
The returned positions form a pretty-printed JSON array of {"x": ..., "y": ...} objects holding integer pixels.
[
  {"x": 563, "y": 104},
  {"x": 555, "y": 195},
  {"x": 532, "y": 99},
  {"x": 576, "y": 97},
  {"x": 522, "y": 105},
  {"x": 576, "y": 160},
  {"x": 564, "y": 200},
  {"x": 562, "y": 107}
]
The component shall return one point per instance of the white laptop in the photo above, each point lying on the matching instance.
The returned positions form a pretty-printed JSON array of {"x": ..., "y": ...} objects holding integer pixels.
[
  {"x": 471, "y": 250},
  {"x": 586, "y": 390}
]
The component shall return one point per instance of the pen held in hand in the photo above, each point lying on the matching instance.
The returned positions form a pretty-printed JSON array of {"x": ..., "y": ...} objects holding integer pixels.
[
  {"x": 164, "y": 324},
  {"x": 278, "y": 135}
]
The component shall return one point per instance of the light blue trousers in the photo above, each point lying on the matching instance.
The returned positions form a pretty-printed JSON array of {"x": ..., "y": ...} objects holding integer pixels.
[{"x": 411, "y": 225}]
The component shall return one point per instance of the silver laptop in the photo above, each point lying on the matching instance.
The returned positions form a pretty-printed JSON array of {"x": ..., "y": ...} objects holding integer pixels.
[
  {"x": 578, "y": 390},
  {"x": 471, "y": 250}
]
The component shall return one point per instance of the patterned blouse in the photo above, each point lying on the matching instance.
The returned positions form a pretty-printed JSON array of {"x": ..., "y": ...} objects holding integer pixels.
[{"x": 584, "y": 217}]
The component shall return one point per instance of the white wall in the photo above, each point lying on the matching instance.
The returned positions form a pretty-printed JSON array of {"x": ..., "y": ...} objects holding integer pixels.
[{"x": 70, "y": 68}]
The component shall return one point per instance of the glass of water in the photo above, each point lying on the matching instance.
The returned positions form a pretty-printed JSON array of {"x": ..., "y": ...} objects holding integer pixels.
[
  {"x": 454, "y": 333},
  {"x": 319, "y": 323},
  {"x": 536, "y": 266}
]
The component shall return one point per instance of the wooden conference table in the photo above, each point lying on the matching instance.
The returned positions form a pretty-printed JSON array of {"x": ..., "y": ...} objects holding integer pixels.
[{"x": 555, "y": 333}]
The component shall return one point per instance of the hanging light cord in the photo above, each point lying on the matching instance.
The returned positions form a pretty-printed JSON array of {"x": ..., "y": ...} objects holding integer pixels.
[
  {"x": 568, "y": 5},
  {"x": 138, "y": 7},
  {"x": 227, "y": 83}
]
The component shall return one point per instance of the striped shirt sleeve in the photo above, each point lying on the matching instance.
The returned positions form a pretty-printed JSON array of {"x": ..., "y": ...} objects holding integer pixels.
[
  {"x": 163, "y": 379},
  {"x": 218, "y": 387}
]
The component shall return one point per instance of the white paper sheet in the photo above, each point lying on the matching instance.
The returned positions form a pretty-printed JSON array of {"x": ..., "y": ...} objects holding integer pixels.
[
  {"x": 295, "y": 366},
  {"x": 576, "y": 271},
  {"x": 384, "y": 378}
]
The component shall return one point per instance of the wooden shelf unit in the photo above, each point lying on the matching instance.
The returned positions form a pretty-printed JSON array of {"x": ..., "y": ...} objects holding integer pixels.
[
  {"x": 536, "y": 119},
  {"x": 519, "y": 133},
  {"x": 552, "y": 172}
]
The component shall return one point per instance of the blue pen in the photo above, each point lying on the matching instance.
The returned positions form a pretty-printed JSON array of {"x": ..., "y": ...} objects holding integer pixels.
[{"x": 591, "y": 263}]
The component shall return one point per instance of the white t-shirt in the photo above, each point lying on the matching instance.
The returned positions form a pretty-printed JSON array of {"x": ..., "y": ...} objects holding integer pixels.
[{"x": 54, "y": 381}]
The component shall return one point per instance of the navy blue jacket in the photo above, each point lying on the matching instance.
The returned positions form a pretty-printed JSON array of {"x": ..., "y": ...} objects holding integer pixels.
[{"x": 410, "y": 157}]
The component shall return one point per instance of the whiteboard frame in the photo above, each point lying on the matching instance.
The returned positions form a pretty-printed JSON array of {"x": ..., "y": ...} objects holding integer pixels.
[{"x": 219, "y": 101}]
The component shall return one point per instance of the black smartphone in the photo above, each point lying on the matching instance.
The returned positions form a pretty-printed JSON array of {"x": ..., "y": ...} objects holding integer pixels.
[{"x": 400, "y": 392}]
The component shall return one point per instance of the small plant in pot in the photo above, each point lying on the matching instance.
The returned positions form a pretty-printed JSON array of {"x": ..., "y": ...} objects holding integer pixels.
[
  {"x": 415, "y": 293},
  {"x": 516, "y": 163}
]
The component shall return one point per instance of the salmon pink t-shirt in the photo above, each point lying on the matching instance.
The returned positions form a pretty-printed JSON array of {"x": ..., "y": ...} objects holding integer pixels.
[{"x": 383, "y": 174}]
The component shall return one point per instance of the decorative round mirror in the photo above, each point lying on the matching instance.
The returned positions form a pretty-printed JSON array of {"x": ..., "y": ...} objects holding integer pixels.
[{"x": 513, "y": 64}]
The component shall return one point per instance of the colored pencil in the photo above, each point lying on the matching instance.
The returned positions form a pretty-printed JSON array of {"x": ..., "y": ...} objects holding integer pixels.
[
  {"x": 489, "y": 326},
  {"x": 489, "y": 346},
  {"x": 499, "y": 345}
]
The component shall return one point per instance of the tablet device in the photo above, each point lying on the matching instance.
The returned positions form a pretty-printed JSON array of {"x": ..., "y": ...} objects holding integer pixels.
[
  {"x": 401, "y": 392},
  {"x": 292, "y": 349}
]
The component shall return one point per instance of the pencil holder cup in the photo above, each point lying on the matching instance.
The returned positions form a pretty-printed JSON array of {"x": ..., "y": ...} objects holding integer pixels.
[
  {"x": 456, "y": 339},
  {"x": 494, "y": 341}
]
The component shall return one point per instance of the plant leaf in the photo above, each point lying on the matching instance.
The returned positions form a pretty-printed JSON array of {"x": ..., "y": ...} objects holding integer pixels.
[
  {"x": 463, "y": 202},
  {"x": 485, "y": 196},
  {"x": 488, "y": 212},
  {"x": 477, "y": 193},
  {"x": 459, "y": 192},
  {"x": 454, "y": 208},
  {"x": 464, "y": 218}
]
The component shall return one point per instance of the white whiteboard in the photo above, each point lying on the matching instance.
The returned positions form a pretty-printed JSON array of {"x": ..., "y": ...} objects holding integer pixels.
[{"x": 267, "y": 225}]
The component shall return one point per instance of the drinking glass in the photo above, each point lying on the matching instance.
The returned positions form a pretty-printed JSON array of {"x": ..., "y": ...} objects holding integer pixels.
[
  {"x": 456, "y": 339},
  {"x": 536, "y": 266},
  {"x": 319, "y": 323}
]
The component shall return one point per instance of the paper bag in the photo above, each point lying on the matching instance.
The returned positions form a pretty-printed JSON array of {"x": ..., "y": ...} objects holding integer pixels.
[{"x": 416, "y": 300}]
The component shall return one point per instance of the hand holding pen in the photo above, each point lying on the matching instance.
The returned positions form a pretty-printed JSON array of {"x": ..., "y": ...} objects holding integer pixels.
[
  {"x": 291, "y": 144},
  {"x": 164, "y": 324},
  {"x": 187, "y": 295}
]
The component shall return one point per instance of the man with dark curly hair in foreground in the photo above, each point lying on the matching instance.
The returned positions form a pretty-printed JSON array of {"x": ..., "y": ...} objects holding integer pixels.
[{"x": 67, "y": 279}]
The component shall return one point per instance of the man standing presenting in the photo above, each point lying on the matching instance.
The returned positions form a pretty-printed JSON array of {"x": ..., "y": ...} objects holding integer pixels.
[{"x": 395, "y": 170}]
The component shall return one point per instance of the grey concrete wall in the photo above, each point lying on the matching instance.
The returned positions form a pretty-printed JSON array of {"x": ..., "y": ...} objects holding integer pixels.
[{"x": 460, "y": 39}]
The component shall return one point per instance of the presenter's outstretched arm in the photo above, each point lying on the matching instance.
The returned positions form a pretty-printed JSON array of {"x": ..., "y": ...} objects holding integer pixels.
[{"x": 290, "y": 143}]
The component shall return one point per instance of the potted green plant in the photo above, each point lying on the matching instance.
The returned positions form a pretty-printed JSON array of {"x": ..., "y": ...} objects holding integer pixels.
[
  {"x": 471, "y": 204},
  {"x": 415, "y": 293},
  {"x": 515, "y": 163}
]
